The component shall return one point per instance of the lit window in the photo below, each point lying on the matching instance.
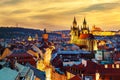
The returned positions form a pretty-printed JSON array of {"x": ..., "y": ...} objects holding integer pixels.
[
  {"x": 117, "y": 66},
  {"x": 106, "y": 66},
  {"x": 113, "y": 66}
]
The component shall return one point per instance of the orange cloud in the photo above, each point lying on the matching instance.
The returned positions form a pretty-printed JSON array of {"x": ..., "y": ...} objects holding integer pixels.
[{"x": 52, "y": 14}]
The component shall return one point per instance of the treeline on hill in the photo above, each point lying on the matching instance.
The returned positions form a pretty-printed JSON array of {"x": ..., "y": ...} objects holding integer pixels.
[{"x": 14, "y": 32}]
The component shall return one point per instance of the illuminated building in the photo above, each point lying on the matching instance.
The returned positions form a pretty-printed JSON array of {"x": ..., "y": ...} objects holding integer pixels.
[
  {"x": 96, "y": 31},
  {"x": 21, "y": 57},
  {"x": 68, "y": 57},
  {"x": 94, "y": 28},
  {"x": 83, "y": 38},
  {"x": 30, "y": 38},
  {"x": 43, "y": 59}
]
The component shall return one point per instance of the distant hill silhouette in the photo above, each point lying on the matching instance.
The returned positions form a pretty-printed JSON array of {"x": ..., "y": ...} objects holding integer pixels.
[{"x": 14, "y": 32}]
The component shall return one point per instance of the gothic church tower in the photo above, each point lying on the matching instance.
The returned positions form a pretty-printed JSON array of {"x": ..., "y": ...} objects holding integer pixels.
[{"x": 74, "y": 32}]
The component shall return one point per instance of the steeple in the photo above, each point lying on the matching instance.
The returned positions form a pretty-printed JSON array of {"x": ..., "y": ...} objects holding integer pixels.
[
  {"x": 44, "y": 31},
  {"x": 45, "y": 35},
  {"x": 74, "y": 22},
  {"x": 84, "y": 28},
  {"x": 84, "y": 23},
  {"x": 36, "y": 37}
]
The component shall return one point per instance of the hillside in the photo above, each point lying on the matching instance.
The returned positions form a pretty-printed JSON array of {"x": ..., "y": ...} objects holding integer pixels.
[{"x": 14, "y": 32}]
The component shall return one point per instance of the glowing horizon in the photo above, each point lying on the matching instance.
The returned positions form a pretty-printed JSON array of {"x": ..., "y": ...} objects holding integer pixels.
[{"x": 59, "y": 14}]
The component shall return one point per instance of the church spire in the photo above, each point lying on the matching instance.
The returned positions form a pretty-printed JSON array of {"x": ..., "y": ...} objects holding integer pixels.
[
  {"x": 74, "y": 22},
  {"x": 84, "y": 23},
  {"x": 44, "y": 31}
]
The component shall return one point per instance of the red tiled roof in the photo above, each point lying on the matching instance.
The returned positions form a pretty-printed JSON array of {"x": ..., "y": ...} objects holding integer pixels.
[
  {"x": 105, "y": 48},
  {"x": 86, "y": 36},
  {"x": 111, "y": 71},
  {"x": 20, "y": 54},
  {"x": 77, "y": 77},
  {"x": 80, "y": 66},
  {"x": 92, "y": 68}
]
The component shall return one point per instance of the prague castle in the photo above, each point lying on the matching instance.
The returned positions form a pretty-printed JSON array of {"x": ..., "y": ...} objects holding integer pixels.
[
  {"x": 96, "y": 31},
  {"x": 83, "y": 38}
]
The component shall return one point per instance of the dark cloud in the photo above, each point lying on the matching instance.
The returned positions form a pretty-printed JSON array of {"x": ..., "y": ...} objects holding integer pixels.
[
  {"x": 95, "y": 7},
  {"x": 11, "y": 2},
  {"x": 101, "y": 7},
  {"x": 20, "y": 11}
]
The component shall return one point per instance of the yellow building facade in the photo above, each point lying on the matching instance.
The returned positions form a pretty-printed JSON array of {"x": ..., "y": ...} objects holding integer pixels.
[{"x": 97, "y": 31}]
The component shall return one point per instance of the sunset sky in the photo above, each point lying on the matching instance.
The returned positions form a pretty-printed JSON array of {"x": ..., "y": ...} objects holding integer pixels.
[{"x": 59, "y": 14}]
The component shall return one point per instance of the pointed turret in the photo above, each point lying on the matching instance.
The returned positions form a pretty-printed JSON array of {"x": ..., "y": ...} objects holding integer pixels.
[
  {"x": 45, "y": 35},
  {"x": 36, "y": 37},
  {"x": 74, "y": 22},
  {"x": 44, "y": 31},
  {"x": 84, "y": 23},
  {"x": 84, "y": 28}
]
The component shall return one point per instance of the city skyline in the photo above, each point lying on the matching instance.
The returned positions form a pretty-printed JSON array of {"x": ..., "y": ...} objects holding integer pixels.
[{"x": 59, "y": 14}]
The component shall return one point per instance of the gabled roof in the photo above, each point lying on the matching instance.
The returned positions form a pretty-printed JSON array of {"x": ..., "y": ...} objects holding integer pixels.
[
  {"x": 92, "y": 67},
  {"x": 77, "y": 77}
]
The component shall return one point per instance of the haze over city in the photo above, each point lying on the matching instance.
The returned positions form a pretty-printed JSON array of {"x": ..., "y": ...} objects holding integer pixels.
[{"x": 59, "y": 14}]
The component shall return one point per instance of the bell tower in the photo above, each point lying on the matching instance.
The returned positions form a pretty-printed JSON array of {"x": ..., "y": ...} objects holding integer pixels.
[
  {"x": 84, "y": 28},
  {"x": 74, "y": 31},
  {"x": 45, "y": 35},
  {"x": 74, "y": 22},
  {"x": 84, "y": 23}
]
